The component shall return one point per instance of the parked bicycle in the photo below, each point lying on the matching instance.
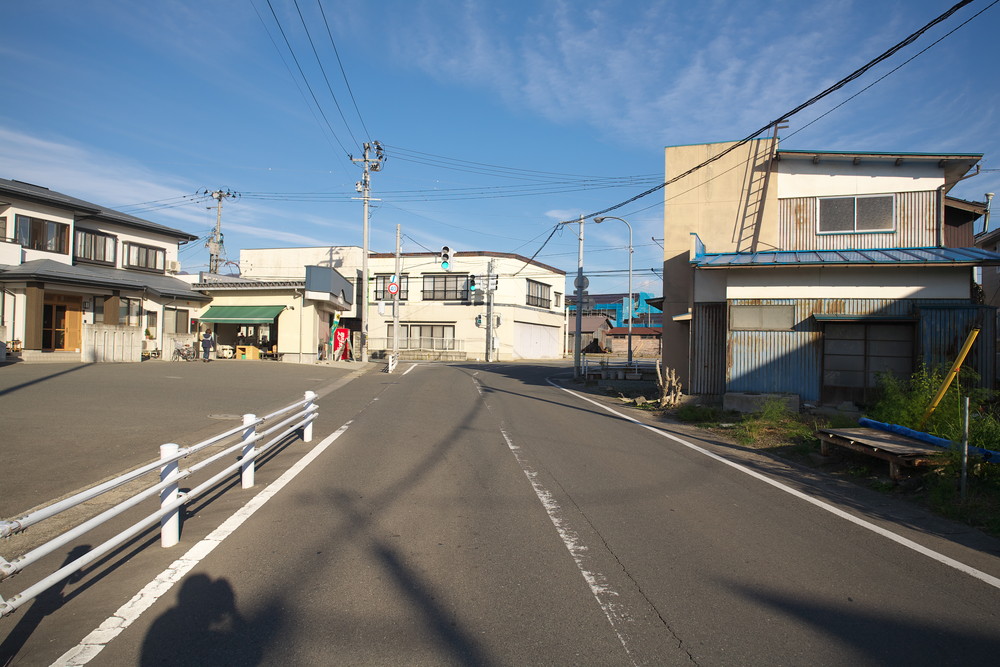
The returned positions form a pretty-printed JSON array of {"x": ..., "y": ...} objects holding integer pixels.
[{"x": 184, "y": 352}]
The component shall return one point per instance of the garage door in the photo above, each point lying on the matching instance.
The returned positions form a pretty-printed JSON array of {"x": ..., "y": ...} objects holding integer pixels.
[
  {"x": 535, "y": 341},
  {"x": 854, "y": 355}
]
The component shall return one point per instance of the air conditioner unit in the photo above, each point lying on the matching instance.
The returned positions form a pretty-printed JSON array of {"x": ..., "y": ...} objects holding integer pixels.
[{"x": 173, "y": 266}]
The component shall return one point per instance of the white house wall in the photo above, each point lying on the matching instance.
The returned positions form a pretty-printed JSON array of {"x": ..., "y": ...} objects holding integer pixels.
[
  {"x": 842, "y": 283},
  {"x": 277, "y": 263},
  {"x": 802, "y": 178}
]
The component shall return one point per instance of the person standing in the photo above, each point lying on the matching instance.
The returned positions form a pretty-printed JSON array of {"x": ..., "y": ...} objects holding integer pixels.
[{"x": 207, "y": 345}]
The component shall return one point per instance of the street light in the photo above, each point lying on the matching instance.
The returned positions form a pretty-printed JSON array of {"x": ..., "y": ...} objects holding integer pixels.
[{"x": 630, "y": 304}]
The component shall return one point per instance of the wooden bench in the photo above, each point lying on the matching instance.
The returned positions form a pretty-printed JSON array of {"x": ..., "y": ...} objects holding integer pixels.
[{"x": 898, "y": 450}]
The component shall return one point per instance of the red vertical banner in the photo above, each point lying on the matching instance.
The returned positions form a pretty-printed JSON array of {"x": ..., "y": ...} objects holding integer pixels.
[{"x": 341, "y": 343}]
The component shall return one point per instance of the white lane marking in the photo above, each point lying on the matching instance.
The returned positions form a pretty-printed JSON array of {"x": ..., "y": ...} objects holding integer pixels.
[
  {"x": 412, "y": 366},
  {"x": 602, "y": 592},
  {"x": 599, "y": 588},
  {"x": 94, "y": 643},
  {"x": 888, "y": 534}
]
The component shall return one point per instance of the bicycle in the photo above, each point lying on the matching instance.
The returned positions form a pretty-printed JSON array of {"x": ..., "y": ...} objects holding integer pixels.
[{"x": 184, "y": 353}]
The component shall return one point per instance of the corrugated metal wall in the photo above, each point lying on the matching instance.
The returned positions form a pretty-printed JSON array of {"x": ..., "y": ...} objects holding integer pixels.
[
  {"x": 916, "y": 220},
  {"x": 708, "y": 349},
  {"x": 943, "y": 330},
  {"x": 791, "y": 361}
]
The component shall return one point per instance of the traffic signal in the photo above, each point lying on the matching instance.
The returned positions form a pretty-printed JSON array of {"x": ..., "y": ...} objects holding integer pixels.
[
  {"x": 472, "y": 283},
  {"x": 445, "y": 258},
  {"x": 493, "y": 280},
  {"x": 479, "y": 321}
]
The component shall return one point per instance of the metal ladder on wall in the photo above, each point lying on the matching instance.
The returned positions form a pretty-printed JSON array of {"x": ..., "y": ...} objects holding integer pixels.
[{"x": 747, "y": 233}]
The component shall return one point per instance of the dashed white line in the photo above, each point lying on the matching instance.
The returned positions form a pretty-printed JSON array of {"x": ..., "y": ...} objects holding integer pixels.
[{"x": 605, "y": 595}]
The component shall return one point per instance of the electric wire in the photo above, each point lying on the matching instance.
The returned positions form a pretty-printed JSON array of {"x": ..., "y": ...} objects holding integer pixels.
[
  {"x": 291, "y": 75},
  {"x": 305, "y": 79},
  {"x": 895, "y": 69},
  {"x": 343, "y": 73},
  {"x": 322, "y": 70},
  {"x": 828, "y": 91}
]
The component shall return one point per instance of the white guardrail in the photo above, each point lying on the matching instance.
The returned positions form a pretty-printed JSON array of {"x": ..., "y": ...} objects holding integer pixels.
[{"x": 275, "y": 427}]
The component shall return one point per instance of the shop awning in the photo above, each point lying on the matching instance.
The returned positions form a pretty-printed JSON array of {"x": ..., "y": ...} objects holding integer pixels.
[{"x": 241, "y": 314}]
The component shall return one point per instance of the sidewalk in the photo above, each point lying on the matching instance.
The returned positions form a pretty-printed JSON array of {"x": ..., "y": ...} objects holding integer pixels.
[{"x": 65, "y": 426}]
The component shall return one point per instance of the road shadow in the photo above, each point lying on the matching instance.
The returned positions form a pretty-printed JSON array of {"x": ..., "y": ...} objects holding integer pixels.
[
  {"x": 43, "y": 605},
  {"x": 51, "y": 376},
  {"x": 206, "y": 627}
]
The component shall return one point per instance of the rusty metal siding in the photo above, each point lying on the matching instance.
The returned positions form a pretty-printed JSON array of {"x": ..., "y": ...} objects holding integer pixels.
[
  {"x": 792, "y": 361},
  {"x": 943, "y": 330},
  {"x": 777, "y": 361},
  {"x": 708, "y": 349},
  {"x": 916, "y": 220}
]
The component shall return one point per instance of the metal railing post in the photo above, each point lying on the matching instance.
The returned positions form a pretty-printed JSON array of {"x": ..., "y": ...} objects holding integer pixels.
[
  {"x": 310, "y": 408},
  {"x": 249, "y": 453},
  {"x": 170, "y": 523}
]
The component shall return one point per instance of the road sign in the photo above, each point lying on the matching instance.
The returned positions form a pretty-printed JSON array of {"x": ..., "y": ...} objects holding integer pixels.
[
  {"x": 581, "y": 282},
  {"x": 393, "y": 288}
]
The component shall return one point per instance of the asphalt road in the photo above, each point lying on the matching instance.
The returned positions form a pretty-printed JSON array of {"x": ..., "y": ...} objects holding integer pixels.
[{"x": 478, "y": 514}]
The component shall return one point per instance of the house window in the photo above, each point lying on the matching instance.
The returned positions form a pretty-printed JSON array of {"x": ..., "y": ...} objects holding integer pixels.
[
  {"x": 151, "y": 321},
  {"x": 94, "y": 247},
  {"x": 538, "y": 294},
  {"x": 446, "y": 288},
  {"x": 130, "y": 312},
  {"x": 848, "y": 215},
  {"x": 176, "y": 320},
  {"x": 761, "y": 318},
  {"x": 557, "y": 299},
  {"x": 425, "y": 336},
  {"x": 39, "y": 234},
  {"x": 382, "y": 288},
  {"x": 144, "y": 257},
  {"x": 3, "y": 228}
]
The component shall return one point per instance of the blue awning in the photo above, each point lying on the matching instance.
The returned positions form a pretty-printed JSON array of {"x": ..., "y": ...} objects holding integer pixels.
[{"x": 874, "y": 257}]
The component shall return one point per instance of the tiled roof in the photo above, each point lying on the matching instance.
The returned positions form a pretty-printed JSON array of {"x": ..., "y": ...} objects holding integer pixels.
[
  {"x": 52, "y": 271},
  {"x": 84, "y": 209}
]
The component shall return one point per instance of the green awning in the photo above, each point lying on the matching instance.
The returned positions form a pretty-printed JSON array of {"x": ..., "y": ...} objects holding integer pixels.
[{"x": 241, "y": 314}]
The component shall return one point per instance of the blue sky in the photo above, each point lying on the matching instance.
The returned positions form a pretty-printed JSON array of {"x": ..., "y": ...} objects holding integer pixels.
[{"x": 499, "y": 119}]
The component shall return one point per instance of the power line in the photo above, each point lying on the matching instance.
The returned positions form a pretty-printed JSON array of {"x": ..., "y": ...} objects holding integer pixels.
[
  {"x": 323, "y": 70},
  {"x": 897, "y": 68},
  {"x": 304, "y": 78},
  {"x": 835, "y": 87},
  {"x": 342, "y": 71}
]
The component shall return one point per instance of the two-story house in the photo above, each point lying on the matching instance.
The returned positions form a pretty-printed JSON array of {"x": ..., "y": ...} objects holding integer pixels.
[
  {"x": 443, "y": 311},
  {"x": 811, "y": 272},
  {"x": 82, "y": 282}
]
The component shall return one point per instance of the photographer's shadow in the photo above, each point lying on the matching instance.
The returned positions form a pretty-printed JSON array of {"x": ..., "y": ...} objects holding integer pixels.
[{"x": 206, "y": 628}]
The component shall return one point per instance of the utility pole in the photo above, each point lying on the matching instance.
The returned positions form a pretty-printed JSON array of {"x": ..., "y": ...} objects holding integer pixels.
[
  {"x": 214, "y": 244},
  {"x": 581, "y": 283},
  {"x": 369, "y": 164},
  {"x": 489, "y": 312},
  {"x": 395, "y": 297}
]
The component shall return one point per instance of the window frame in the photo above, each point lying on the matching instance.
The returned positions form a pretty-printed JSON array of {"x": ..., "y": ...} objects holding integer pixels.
[
  {"x": 170, "y": 316},
  {"x": 41, "y": 227},
  {"x": 147, "y": 251},
  {"x": 81, "y": 231},
  {"x": 854, "y": 199},
  {"x": 130, "y": 311},
  {"x": 766, "y": 314},
  {"x": 382, "y": 287},
  {"x": 455, "y": 287},
  {"x": 543, "y": 296}
]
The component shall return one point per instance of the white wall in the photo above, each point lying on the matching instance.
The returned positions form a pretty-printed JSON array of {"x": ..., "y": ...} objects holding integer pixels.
[
  {"x": 849, "y": 283},
  {"x": 831, "y": 178}
]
